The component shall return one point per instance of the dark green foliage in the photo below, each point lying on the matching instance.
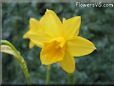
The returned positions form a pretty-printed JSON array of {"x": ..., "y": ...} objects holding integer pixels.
[{"x": 97, "y": 25}]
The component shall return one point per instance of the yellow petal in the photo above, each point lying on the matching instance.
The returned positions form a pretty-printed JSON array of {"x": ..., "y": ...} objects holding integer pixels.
[
  {"x": 64, "y": 19},
  {"x": 51, "y": 23},
  {"x": 33, "y": 27},
  {"x": 68, "y": 63},
  {"x": 36, "y": 33},
  {"x": 71, "y": 26},
  {"x": 51, "y": 53},
  {"x": 79, "y": 46},
  {"x": 34, "y": 24},
  {"x": 31, "y": 44},
  {"x": 38, "y": 39}
]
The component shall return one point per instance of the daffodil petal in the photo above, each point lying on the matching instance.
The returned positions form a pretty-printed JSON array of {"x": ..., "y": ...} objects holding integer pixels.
[
  {"x": 35, "y": 39},
  {"x": 36, "y": 33},
  {"x": 68, "y": 63},
  {"x": 51, "y": 53},
  {"x": 71, "y": 26},
  {"x": 34, "y": 25},
  {"x": 38, "y": 39},
  {"x": 79, "y": 46},
  {"x": 31, "y": 44},
  {"x": 51, "y": 23},
  {"x": 33, "y": 28}
]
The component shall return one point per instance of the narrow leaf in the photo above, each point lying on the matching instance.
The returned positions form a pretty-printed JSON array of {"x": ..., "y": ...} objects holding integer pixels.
[{"x": 7, "y": 47}]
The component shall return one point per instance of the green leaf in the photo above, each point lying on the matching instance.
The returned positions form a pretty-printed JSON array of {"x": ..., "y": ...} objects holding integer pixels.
[{"x": 7, "y": 47}]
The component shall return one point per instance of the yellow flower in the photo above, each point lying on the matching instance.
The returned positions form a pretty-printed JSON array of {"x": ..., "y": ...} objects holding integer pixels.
[{"x": 59, "y": 40}]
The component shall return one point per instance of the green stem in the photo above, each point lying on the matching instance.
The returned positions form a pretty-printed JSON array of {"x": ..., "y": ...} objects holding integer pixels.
[
  {"x": 48, "y": 74},
  {"x": 20, "y": 60},
  {"x": 25, "y": 70},
  {"x": 70, "y": 79},
  {"x": 8, "y": 43}
]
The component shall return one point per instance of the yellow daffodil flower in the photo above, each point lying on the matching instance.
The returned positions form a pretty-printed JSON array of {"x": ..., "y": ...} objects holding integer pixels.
[{"x": 59, "y": 40}]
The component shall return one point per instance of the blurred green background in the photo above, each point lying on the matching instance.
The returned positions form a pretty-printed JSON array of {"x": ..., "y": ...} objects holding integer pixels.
[{"x": 97, "y": 25}]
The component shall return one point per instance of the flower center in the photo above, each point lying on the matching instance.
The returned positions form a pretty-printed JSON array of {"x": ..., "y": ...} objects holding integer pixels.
[
  {"x": 60, "y": 42},
  {"x": 54, "y": 50},
  {"x": 55, "y": 46}
]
